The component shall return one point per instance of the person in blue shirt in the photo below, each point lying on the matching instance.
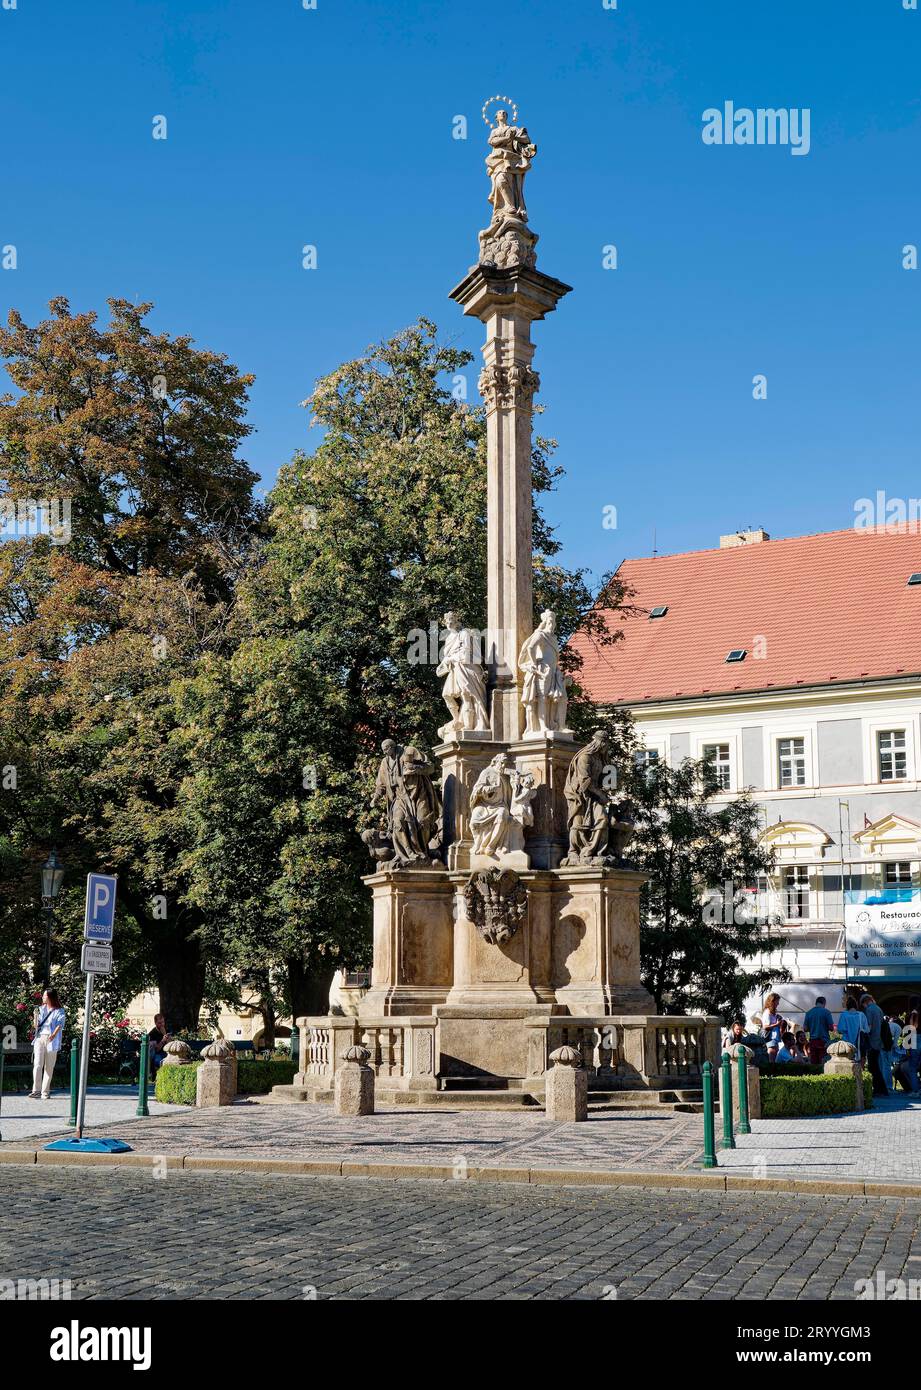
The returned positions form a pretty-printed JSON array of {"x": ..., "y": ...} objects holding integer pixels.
[
  {"x": 852, "y": 1024},
  {"x": 47, "y": 1044},
  {"x": 819, "y": 1025}
]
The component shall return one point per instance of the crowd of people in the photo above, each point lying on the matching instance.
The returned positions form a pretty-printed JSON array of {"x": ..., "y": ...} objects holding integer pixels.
[{"x": 887, "y": 1043}]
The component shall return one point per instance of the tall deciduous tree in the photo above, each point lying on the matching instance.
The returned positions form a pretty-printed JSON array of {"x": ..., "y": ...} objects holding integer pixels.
[{"x": 136, "y": 433}]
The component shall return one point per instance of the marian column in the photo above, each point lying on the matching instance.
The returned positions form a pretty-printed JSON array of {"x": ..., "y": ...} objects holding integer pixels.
[{"x": 507, "y": 293}]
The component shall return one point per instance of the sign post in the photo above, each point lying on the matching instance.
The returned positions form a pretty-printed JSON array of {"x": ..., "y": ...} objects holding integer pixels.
[{"x": 95, "y": 959}]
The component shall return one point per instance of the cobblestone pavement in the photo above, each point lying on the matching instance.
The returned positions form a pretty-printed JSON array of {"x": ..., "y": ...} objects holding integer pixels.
[
  {"x": 883, "y": 1143},
  {"x": 21, "y": 1118},
  {"x": 609, "y": 1140},
  {"x": 272, "y": 1237}
]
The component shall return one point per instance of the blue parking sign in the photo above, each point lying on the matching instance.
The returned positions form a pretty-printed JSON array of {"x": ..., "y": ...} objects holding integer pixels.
[{"x": 99, "y": 921}]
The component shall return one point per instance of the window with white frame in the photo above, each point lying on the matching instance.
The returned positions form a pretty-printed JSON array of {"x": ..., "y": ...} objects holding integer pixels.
[
  {"x": 897, "y": 875},
  {"x": 646, "y": 760},
  {"x": 791, "y": 762},
  {"x": 717, "y": 755},
  {"x": 891, "y": 755},
  {"x": 795, "y": 889}
]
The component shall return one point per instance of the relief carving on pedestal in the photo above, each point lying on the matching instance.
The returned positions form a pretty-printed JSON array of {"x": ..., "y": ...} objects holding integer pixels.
[{"x": 497, "y": 903}]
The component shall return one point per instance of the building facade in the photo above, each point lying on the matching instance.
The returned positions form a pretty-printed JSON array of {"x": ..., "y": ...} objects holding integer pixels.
[{"x": 794, "y": 666}]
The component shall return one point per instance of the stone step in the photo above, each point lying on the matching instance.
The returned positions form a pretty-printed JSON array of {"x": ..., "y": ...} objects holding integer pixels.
[{"x": 479, "y": 1099}]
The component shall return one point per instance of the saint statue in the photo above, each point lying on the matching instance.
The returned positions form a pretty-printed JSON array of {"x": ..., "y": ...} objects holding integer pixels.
[
  {"x": 543, "y": 689},
  {"x": 599, "y": 825},
  {"x": 409, "y": 808},
  {"x": 464, "y": 690},
  {"x": 509, "y": 159},
  {"x": 500, "y": 808}
]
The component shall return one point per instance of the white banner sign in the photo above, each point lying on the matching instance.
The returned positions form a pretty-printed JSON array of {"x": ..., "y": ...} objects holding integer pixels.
[{"x": 883, "y": 933}]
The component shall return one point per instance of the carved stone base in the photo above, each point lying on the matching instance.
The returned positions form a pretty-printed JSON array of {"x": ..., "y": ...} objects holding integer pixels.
[{"x": 413, "y": 964}]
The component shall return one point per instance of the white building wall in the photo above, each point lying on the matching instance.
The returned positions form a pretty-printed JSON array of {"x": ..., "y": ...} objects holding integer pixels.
[{"x": 822, "y": 825}]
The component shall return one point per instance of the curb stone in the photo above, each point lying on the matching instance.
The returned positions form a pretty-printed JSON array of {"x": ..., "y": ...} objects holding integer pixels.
[{"x": 414, "y": 1172}]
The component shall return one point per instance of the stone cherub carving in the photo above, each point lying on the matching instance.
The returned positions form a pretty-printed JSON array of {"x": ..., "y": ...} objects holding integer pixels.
[
  {"x": 464, "y": 690},
  {"x": 507, "y": 241},
  {"x": 409, "y": 809},
  {"x": 543, "y": 690},
  {"x": 500, "y": 808},
  {"x": 600, "y": 825},
  {"x": 496, "y": 902}
]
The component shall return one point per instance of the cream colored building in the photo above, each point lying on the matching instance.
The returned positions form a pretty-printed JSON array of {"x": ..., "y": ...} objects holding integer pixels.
[{"x": 795, "y": 667}]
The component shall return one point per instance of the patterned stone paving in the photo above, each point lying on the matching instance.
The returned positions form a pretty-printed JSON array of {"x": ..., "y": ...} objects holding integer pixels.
[
  {"x": 610, "y": 1140},
  {"x": 122, "y": 1233}
]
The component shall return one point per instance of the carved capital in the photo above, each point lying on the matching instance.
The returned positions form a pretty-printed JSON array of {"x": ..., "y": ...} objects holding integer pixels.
[{"x": 508, "y": 387}]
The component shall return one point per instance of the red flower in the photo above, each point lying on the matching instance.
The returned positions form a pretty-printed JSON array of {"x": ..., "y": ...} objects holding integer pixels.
[{"x": 21, "y": 1007}]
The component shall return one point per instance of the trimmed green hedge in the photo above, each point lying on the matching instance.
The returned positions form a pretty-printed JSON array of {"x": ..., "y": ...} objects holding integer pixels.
[
  {"x": 789, "y": 1069},
  {"x": 176, "y": 1085},
  {"x": 783, "y": 1096},
  {"x": 256, "y": 1077}
]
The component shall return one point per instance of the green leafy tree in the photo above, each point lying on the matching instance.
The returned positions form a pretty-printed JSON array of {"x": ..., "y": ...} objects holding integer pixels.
[
  {"x": 702, "y": 935},
  {"x": 133, "y": 435}
]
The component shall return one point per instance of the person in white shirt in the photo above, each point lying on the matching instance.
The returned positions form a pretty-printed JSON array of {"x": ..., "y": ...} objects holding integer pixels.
[{"x": 47, "y": 1044}]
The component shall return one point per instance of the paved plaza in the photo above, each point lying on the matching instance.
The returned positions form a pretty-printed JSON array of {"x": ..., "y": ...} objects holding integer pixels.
[
  {"x": 883, "y": 1143},
  {"x": 107, "y": 1107},
  {"x": 262, "y": 1236}
]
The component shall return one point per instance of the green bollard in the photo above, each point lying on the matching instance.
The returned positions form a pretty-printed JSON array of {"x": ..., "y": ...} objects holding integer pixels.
[
  {"x": 744, "y": 1120},
  {"x": 74, "y": 1082},
  {"x": 142, "y": 1078},
  {"x": 709, "y": 1160},
  {"x": 726, "y": 1101}
]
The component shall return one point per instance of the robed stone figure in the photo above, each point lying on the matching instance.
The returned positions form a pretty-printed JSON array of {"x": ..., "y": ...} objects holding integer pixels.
[{"x": 599, "y": 827}]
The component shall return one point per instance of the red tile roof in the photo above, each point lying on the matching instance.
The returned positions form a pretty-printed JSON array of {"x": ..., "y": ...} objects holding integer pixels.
[{"x": 827, "y": 608}]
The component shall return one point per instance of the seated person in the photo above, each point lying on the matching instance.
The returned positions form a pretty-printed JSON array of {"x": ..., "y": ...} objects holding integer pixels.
[
  {"x": 158, "y": 1037},
  {"x": 787, "y": 1050}
]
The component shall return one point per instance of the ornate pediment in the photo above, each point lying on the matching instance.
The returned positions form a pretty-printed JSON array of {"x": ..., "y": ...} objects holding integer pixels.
[
  {"x": 796, "y": 839},
  {"x": 889, "y": 836}
]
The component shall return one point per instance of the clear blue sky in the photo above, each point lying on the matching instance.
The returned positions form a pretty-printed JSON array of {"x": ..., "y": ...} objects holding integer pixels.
[{"x": 334, "y": 127}]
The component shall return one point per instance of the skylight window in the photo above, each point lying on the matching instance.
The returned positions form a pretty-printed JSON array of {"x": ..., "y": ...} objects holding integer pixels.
[
  {"x": 737, "y": 654},
  {"x": 914, "y": 579},
  {"x": 661, "y": 609}
]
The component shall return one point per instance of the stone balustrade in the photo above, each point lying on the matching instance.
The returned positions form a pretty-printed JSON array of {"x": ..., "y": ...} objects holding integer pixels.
[{"x": 622, "y": 1048}]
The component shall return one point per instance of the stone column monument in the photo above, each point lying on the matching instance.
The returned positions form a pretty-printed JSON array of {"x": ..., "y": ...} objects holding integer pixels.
[{"x": 506, "y": 913}]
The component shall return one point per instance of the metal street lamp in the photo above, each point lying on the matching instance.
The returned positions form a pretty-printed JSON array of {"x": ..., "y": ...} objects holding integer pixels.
[{"x": 52, "y": 879}]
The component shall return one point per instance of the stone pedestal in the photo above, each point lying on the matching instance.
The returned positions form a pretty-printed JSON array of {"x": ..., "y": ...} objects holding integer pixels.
[
  {"x": 843, "y": 1061},
  {"x": 216, "y": 1080},
  {"x": 412, "y": 967},
  {"x": 567, "y": 1087},
  {"x": 353, "y": 1085}
]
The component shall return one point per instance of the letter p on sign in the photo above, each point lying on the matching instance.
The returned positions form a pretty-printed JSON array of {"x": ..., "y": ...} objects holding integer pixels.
[{"x": 100, "y": 907}]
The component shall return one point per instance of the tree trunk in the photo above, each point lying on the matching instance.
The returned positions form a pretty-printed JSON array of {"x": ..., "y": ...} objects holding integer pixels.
[
  {"x": 180, "y": 979},
  {"x": 268, "y": 1024},
  {"x": 308, "y": 990}
]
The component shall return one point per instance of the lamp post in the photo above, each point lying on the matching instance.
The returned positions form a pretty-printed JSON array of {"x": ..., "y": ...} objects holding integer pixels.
[{"x": 52, "y": 878}]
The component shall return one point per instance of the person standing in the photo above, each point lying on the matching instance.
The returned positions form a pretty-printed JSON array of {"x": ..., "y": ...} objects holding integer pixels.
[
  {"x": 772, "y": 1025},
  {"x": 852, "y": 1025},
  {"x": 874, "y": 1016},
  {"x": 911, "y": 1044},
  {"x": 47, "y": 1044},
  {"x": 818, "y": 1024}
]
